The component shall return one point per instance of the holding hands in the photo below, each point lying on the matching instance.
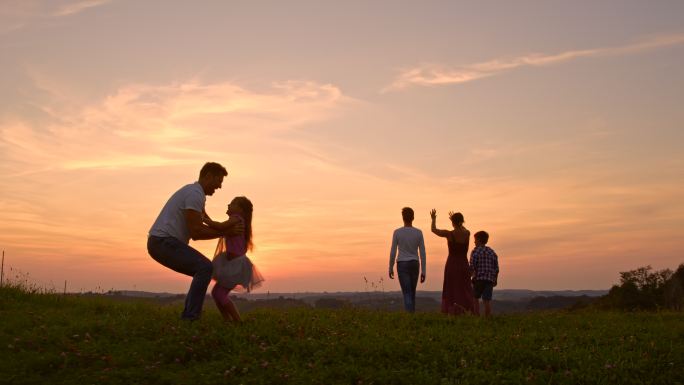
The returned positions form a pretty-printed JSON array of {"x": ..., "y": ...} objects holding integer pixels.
[{"x": 231, "y": 227}]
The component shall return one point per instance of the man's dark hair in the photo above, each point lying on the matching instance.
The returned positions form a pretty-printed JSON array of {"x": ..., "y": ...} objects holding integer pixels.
[
  {"x": 213, "y": 169},
  {"x": 482, "y": 237},
  {"x": 407, "y": 214}
]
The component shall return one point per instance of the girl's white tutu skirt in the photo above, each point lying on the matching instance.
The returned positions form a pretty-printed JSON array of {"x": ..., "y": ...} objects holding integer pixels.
[{"x": 238, "y": 273}]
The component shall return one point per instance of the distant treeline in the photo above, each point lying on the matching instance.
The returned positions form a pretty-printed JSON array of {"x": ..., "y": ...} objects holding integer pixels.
[{"x": 646, "y": 289}]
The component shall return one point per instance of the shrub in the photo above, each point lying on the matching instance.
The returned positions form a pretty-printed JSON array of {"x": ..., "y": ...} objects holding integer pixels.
[{"x": 646, "y": 289}]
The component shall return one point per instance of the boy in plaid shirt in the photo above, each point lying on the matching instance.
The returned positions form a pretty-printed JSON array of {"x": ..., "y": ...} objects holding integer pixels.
[{"x": 484, "y": 263}]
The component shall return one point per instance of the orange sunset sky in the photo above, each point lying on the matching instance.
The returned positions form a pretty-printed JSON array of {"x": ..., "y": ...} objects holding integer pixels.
[{"x": 556, "y": 126}]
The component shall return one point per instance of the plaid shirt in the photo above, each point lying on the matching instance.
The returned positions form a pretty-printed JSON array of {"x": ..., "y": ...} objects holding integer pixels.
[{"x": 484, "y": 263}]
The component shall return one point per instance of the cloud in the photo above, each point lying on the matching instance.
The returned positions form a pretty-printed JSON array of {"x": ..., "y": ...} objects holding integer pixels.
[
  {"x": 77, "y": 7},
  {"x": 436, "y": 74},
  {"x": 141, "y": 125},
  {"x": 17, "y": 14}
]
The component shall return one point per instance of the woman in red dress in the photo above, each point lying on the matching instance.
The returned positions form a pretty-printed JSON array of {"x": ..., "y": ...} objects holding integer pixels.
[{"x": 457, "y": 292}]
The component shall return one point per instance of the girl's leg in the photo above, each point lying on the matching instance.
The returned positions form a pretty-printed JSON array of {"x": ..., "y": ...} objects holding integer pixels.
[
  {"x": 232, "y": 310},
  {"x": 220, "y": 296}
]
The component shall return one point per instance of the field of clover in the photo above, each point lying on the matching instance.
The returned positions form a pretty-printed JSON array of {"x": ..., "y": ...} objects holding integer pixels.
[{"x": 53, "y": 338}]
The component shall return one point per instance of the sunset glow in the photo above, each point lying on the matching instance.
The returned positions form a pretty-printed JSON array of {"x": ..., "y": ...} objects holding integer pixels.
[{"x": 562, "y": 138}]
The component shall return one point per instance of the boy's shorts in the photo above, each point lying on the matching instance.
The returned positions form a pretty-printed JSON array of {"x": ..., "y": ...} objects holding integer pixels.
[{"x": 483, "y": 289}]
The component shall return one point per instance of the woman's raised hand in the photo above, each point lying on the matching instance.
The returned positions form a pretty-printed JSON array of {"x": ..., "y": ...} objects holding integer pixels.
[
  {"x": 451, "y": 214},
  {"x": 433, "y": 213}
]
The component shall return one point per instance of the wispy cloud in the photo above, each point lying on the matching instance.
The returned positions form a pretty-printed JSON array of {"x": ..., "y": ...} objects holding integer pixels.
[
  {"x": 142, "y": 125},
  {"x": 77, "y": 7},
  {"x": 18, "y": 14},
  {"x": 437, "y": 74}
]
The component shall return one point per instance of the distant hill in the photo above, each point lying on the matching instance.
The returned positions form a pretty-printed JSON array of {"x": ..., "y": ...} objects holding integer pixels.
[
  {"x": 140, "y": 294},
  {"x": 503, "y": 294},
  {"x": 505, "y": 300}
]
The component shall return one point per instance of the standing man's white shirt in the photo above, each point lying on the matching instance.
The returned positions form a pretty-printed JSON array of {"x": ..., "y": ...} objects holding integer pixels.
[
  {"x": 409, "y": 241},
  {"x": 171, "y": 220}
]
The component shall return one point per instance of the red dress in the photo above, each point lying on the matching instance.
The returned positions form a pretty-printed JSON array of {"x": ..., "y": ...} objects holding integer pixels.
[{"x": 457, "y": 292}]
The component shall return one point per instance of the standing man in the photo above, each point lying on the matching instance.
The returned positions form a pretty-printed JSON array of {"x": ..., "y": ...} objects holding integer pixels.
[
  {"x": 409, "y": 241},
  {"x": 182, "y": 219}
]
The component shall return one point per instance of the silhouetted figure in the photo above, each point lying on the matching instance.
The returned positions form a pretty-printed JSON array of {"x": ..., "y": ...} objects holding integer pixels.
[
  {"x": 484, "y": 264},
  {"x": 183, "y": 218},
  {"x": 233, "y": 270},
  {"x": 457, "y": 291},
  {"x": 409, "y": 240}
]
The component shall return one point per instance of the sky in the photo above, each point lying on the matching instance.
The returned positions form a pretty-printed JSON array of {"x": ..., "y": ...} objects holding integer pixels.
[{"x": 555, "y": 126}]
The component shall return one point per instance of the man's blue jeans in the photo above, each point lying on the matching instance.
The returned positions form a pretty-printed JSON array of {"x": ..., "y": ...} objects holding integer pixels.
[
  {"x": 182, "y": 258},
  {"x": 408, "y": 280}
]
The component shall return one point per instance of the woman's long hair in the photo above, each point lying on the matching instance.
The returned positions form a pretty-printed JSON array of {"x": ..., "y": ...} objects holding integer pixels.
[
  {"x": 247, "y": 209},
  {"x": 457, "y": 219}
]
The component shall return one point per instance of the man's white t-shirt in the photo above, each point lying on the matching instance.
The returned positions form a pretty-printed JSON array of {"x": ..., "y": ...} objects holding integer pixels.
[
  {"x": 410, "y": 242},
  {"x": 171, "y": 220}
]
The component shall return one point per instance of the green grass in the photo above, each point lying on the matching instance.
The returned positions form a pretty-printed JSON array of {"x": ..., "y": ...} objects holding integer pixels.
[{"x": 53, "y": 339}]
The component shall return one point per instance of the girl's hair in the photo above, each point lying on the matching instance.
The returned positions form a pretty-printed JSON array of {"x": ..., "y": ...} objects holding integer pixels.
[
  {"x": 457, "y": 219},
  {"x": 247, "y": 209}
]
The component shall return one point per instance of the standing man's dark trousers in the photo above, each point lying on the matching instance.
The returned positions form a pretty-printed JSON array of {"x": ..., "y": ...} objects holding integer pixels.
[
  {"x": 408, "y": 280},
  {"x": 182, "y": 258}
]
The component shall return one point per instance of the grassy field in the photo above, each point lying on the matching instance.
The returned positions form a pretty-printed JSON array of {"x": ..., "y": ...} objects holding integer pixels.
[{"x": 55, "y": 339}]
